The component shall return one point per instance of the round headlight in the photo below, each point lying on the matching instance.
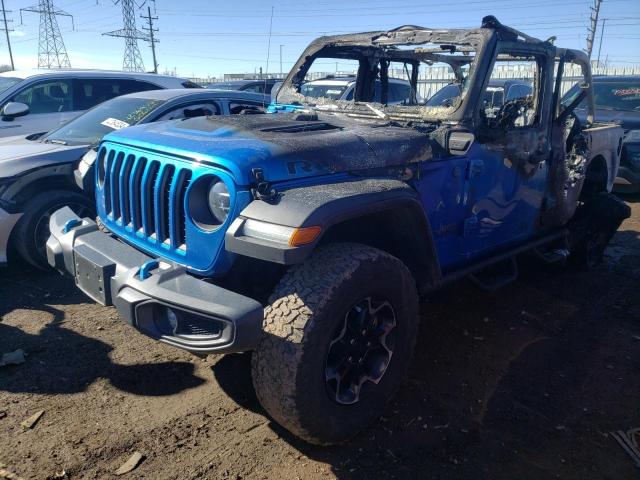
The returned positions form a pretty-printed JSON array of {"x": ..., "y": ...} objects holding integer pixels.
[{"x": 219, "y": 201}]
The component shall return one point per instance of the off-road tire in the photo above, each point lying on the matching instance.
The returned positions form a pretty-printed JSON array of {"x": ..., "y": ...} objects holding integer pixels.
[
  {"x": 38, "y": 210},
  {"x": 305, "y": 309},
  {"x": 593, "y": 226}
]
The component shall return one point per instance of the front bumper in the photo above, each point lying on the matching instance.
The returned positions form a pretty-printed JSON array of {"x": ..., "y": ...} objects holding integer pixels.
[
  {"x": 159, "y": 299},
  {"x": 7, "y": 222}
]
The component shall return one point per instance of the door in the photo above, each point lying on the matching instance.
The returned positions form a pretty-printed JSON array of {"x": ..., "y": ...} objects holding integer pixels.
[
  {"x": 50, "y": 105},
  {"x": 505, "y": 178}
]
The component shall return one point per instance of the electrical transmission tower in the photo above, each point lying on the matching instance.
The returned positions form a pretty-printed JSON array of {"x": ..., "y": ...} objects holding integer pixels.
[
  {"x": 6, "y": 31},
  {"x": 51, "y": 50},
  {"x": 152, "y": 39},
  {"x": 595, "y": 11},
  {"x": 132, "y": 58}
]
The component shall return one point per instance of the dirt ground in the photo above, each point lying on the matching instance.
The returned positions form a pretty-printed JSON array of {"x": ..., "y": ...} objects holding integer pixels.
[{"x": 523, "y": 383}]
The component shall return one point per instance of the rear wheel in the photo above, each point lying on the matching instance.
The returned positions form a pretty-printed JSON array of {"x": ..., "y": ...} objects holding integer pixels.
[
  {"x": 338, "y": 339},
  {"x": 32, "y": 231},
  {"x": 593, "y": 226}
]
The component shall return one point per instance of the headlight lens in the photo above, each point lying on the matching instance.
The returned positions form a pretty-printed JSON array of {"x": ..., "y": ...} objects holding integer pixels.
[{"x": 219, "y": 200}]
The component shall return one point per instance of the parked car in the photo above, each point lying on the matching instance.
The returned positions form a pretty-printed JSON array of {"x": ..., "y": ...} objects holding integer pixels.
[
  {"x": 255, "y": 85},
  {"x": 497, "y": 93},
  {"x": 309, "y": 235},
  {"x": 37, "y": 172},
  {"x": 617, "y": 99},
  {"x": 343, "y": 88},
  {"x": 37, "y": 101}
]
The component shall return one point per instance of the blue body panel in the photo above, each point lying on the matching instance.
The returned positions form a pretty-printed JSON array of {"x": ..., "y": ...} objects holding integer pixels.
[{"x": 476, "y": 203}]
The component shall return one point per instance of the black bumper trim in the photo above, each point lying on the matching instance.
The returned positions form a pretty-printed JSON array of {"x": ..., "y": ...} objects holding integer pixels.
[{"x": 169, "y": 305}]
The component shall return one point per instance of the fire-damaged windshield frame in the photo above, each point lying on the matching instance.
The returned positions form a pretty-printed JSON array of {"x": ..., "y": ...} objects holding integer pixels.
[{"x": 372, "y": 47}]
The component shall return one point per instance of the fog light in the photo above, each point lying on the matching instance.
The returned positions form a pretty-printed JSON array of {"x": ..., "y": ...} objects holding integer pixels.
[{"x": 172, "y": 318}]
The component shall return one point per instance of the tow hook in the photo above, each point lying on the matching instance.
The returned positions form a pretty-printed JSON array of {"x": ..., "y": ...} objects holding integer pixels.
[
  {"x": 262, "y": 190},
  {"x": 71, "y": 224},
  {"x": 145, "y": 270}
]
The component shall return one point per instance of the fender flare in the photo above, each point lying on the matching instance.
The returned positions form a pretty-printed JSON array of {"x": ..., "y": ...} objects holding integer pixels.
[{"x": 328, "y": 205}]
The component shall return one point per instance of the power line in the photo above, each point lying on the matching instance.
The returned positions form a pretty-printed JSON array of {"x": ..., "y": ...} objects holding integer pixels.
[
  {"x": 132, "y": 59},
  {"x": 152, "y": 39},
  {"x": 51, "y": 50},
  {"x": 6, "y": 31}
]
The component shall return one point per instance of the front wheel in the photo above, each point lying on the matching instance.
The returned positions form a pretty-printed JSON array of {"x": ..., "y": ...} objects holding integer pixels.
[
  {"x": 32, "y": 231},
  {"x": 338, "y": 338}
]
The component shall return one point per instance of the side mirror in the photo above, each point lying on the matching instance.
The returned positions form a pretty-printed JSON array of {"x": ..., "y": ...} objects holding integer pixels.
[
  {"x": 460, "y": 142},
  {"x": 14, "y": 109}
]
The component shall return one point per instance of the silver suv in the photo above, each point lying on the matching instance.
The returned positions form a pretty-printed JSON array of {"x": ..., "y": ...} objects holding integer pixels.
[{"x": 38, "y": 101}]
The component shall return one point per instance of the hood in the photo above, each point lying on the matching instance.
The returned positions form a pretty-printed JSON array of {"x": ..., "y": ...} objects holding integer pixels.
[
  {"x": 284, "y": 145},
  {"x": 19, "y": 155}
]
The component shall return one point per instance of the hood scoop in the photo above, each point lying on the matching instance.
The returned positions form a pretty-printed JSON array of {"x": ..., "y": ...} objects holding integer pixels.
[{"x": 301, "y": 128}]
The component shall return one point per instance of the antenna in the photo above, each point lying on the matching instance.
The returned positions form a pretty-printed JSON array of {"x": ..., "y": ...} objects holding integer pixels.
[
  {"x": 6, "y": 31},
  {"x": 268, "y": 51},
  {"x": 132, "y": 59},
  {"x": 51, "y": 50}
]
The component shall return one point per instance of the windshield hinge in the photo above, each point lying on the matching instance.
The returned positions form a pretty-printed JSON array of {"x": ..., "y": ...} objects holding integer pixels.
[{"x": 262, "y": 189}]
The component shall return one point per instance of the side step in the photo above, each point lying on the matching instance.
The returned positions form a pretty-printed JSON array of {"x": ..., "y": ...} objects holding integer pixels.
[
  {"x": 497, "y": 275},
  {"x": 479, "y": 270}
]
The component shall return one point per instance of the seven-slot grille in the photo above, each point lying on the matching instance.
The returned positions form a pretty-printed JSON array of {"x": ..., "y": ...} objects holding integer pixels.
[{"x": 147, "y": 197}]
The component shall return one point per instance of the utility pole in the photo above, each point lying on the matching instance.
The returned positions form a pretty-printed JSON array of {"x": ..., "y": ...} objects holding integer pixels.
[
  {"x": 595, "y": 11},
  {"x": 281, "y": 60},
  {"x": 6, "y": 31},
  {"x": 51, "y": 50},
  {"x": 604, "y": 20},
  {"x": 132, "y": 61},
  {"x": 152, "y": 39}
]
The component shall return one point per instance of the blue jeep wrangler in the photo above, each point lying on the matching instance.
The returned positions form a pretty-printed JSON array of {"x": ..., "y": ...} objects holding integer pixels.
[{"x": 308, "y": 235}]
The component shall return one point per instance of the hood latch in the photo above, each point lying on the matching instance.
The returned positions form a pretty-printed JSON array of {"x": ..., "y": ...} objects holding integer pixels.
[{"x": 262, "y": 190}]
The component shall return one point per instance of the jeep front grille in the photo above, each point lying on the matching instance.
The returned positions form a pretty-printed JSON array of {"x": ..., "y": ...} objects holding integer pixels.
[{"x": 146, "y": 197}]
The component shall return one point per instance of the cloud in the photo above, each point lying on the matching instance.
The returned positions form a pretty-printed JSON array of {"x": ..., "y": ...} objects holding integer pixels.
[{"x": 16, "y": 33}]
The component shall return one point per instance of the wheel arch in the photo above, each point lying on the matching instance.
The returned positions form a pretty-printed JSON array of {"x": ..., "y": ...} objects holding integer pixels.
[
  {"x": 379, "y": 212},
  {"x": 25, "y": 187},
  {"x": 598, "y": 177}
]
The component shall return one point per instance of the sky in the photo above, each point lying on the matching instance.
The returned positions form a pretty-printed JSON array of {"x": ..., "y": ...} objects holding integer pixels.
[{"x": 203, "y": 38}]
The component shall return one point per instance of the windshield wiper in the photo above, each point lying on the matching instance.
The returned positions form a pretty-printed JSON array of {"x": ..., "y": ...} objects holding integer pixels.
[{"x": 379, "y": 113}]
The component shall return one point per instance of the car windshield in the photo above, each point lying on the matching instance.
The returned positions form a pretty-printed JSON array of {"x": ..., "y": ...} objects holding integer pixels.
[
  {"x": 8, "y": 82},
  {"x": 390, "y": 73},
  {"x": 610, "y": 95},
  {"x": 321, "y": 90},
  {"x": 90, "y": 127}
]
